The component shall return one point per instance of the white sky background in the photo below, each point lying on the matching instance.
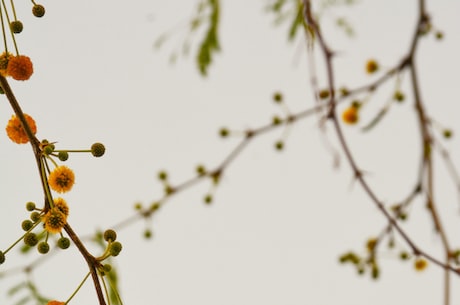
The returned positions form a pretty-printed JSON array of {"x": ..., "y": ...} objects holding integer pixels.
[{"x": 279, "y": 220}]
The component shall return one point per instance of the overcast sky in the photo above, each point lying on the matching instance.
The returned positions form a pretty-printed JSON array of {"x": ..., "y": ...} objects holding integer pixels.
[{"x": 279, "y": 221}]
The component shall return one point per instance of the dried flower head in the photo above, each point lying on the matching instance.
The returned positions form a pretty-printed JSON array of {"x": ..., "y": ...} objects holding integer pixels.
[
  {"x": 61, "y": 179},
  {"x": 54, "y": 220},
  {"x": 16, "y": 132},
  {"x": 4, "y": 58},
  {"x": 20, "y": 67}
]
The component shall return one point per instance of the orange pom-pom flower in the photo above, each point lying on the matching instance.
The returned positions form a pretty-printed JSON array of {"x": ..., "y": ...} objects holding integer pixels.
[
  {"x": 16, "y": 132},
  {"x": 20, "y": 67}
]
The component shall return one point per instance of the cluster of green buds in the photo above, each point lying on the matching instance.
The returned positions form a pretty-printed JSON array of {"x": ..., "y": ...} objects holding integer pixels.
[{"x": 48, "y": 149}]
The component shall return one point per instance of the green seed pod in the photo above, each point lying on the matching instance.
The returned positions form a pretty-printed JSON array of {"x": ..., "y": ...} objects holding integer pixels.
[
  {"x": 2, "y": 257},
  {"x": 115, "y": 248},
  {"x": 63, "y": 243},
  {"x": 30, "y": 206},
  {"x": 63, "y": 156},
  {"x": 35, "y": 216},
  {"x": 30, "y": 239},
  {"x": 16, "y": 26},
  {"x": 27, "y": 224},
  {"x": 110, "y": 235},
  {"x": 43, "y": 247},
  {"x": 38, "y": 10},
  {"x": 97, "y": 149}
]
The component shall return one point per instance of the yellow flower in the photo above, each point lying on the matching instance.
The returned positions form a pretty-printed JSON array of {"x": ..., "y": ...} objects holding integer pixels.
[
  {"x": 350, "y": 115},
  {"x": 54, "y": 220},
  {"x": 16, "y": 133},
  {"x": 20, "y": 67},
  {"x": 420, "y": 264},
  {"x": 61, "y": 205},
  {"x": 55, "y": 303},
  {"x": 61, "y": 179}
]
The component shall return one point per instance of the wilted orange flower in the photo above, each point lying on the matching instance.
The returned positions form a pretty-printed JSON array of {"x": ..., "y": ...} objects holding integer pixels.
[
  {"x": 55, "y": 303},
  {"x": 61, "y": 205},
  {"x": 16, "y": 133},
  {"x": 54, "y": 220},
  {"x": 350, "y": 115},
  {"x": 20, "y": 67},
  {"x": 61, "y": 179}
]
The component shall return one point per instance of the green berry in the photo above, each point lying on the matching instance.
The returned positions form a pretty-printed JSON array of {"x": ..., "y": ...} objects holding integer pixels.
[
  {"x": 115, "y": 248},
  {"x": 16, "y": 26},
  {"x": 110, "y": 235},
  {"x": 63, "y": 156},
  {"x": 43, "y": 247},
  {"x": 30, "y": 206},
  {"x": 27, "y": 225},
  {"x": 98, "y": 149},
  {"x": 2, "y": 257},
  {"x": 38, "y": 10},
  {"x": 30, "y": 239},
  {"x": 63, "y": 243}
]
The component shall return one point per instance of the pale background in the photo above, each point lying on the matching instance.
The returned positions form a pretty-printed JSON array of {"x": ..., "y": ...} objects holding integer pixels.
[{"x": 279, "y": 220}]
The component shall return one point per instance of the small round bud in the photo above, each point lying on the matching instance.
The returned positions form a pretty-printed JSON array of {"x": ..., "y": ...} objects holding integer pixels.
[
  {"x": 208, "y": 199},
  {"x": 16, "y": 26},
  {"x": 279, "y": 145},
  {"x": 323, "y": 94},
  {"x": 375, "y": 271},
  {"x": 344, "y": 91},
  {"x": 63, "y": 156},
  {"x": 439, "y": 35},
  {"x": 372, "y": 66},
  {"x": 63, "y": 243},
  {"x": 27, "y": 225},
  {"x": 98, "y": 149},
  {"x": 30, "y": 206},
  {"x": 2, "y": 257},
  {"x": 38, "y": 10},
  {"x": 276, "y": 120},
  {"x": 107, "y": 267},
  {"x": 447, "y": 133},
  {"x": 278, "y": 97},
  {"x": 43, "y": 247},
  {"x": 162, "y": 175},
  {"x": 399, "y": 96},
  {"x": 48, "y": 149},
  {"x": 110, "y": 235},
  {"x": 155, "y": 206},
  {"x": 200, "y": 170},
  {"x": 148, "y": 233},
  {"x": 115, "y": 248},
  {"x": 224, "y": 132},
  {"x": 138, "y": 206},
  {"x": 404, "y": 255},
  {"x": 30, "y": 239},
  {"x": 35, "y": 216}
]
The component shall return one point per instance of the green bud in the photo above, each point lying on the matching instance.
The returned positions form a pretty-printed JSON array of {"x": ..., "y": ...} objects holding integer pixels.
[
  {"x": 208, "y": 199},
  {"x": 38, "y": 10},
  {"x": 115, "y": 248},
  {"x": 107, "y": 267},
  {"x": 278, "y": 97},
  {"x": 30, "y": 206},
  {"x": 97, "y": 149},
  {"x": 48, "y": 149},
  {"x": 162, "y": 175},
  {"x": 148, "y": 233},
  {"x": 224, "y": 132},
  {"x": 27, "y": 225},
  {"x": 43, "y": 247},
  {"x": 63, "y": 156},
  {"x": 63, "y": 243},
  {"x": 110, "y": 235},
  {"x": 16, "y": 26},
  {"x": 279, "y": 145},
  {"x": 35, "y": 216},
  {"x": 30, "y": 239},
  {"x": 2, "y": 257}
]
